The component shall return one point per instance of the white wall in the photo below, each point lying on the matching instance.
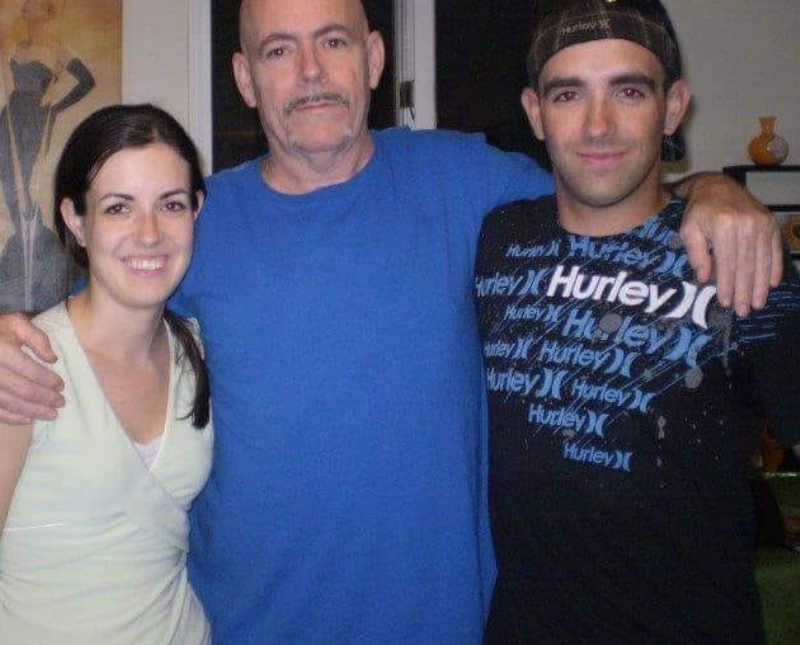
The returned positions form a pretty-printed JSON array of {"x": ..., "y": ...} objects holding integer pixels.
[
  {"x": 742, "y": 58},
  {"x": 166, "y": 60},
  {"x": 155, "y": 54}
]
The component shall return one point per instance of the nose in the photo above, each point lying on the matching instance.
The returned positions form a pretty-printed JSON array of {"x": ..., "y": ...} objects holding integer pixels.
[
  {"x": 148, "y": 230},
  {"x": 599, "y": 118},
  {"x": 310, "y": 64}
]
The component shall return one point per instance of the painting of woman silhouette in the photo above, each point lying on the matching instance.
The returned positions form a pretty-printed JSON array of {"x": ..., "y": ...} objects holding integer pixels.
[{"x": 59, "y": 61}]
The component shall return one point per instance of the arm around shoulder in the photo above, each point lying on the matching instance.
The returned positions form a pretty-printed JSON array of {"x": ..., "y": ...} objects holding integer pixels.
[
  {"x": 747, "y": 252},
  {"x": 28, "y": 389}
]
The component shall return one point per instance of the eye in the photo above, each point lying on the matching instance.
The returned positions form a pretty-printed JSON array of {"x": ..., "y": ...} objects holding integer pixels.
[
  {"x": 565, "y": 96},
  {"x": 175, "y": 206},
  {"x": 276, "y": 52},
  {"x": 117, "y": 208},
  {"x": 632, "y": 93},
  {"x": 335, "y": 43}
]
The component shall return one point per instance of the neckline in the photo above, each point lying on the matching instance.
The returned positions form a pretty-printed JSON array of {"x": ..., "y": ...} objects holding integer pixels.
[
  {"x": 660, "y": 216},
  {"x": 348, "y": 189},
  {"x": 95, "y": 383}
]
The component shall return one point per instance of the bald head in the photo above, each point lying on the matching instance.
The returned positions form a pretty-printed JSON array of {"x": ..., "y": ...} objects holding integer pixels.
[{"x": 257, "y": 15}]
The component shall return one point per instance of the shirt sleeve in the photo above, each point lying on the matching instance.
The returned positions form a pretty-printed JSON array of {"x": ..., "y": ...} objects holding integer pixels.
[{"x": 770, "y": 337}]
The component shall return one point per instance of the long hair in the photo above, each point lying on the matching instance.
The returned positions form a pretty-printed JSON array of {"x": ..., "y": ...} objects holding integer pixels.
[{"x": 101, "y": 135}]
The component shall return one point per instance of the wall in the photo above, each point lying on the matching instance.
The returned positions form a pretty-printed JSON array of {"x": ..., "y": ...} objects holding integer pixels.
[
  {"x": 155, "y": 54},
  {"x": 743, "y": 60},
  {"x": 166, "y": 60}
]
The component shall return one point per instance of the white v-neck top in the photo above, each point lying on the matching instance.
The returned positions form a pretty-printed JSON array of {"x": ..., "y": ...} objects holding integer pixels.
[{"x": 94, "y": 547}]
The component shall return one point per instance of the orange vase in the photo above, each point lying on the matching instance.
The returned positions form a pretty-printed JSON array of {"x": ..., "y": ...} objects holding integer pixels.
[{"x": 768, "y": 148}]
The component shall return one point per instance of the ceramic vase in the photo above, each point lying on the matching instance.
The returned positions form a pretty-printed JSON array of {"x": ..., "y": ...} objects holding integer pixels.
[{"x": 768, "y": 148}]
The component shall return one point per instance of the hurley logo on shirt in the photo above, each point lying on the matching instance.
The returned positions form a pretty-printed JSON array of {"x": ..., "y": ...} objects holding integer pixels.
[{"x": 633, "y": 293}]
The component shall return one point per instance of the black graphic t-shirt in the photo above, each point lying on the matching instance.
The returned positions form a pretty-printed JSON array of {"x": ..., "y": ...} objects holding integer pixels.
[{"x": 624, "y": 406}]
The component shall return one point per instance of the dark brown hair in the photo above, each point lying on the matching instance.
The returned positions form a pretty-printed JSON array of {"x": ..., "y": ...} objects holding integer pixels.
[{"x": 101, "y": 135}]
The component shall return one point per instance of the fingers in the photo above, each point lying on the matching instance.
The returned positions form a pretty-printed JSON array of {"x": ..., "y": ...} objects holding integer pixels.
[
  {"x": 747, "y": 242},
  {"x": 24, "y": 398},
  {"x": 28, "y": 389},
  {"x": 763, "y": 270},
  {"x": 13, "y": 419},
  {"x": 776, "y": 253},
  {"x": 724, "y": 240},
  {"x": 26, "y": 333},
  {"x": 699, "y": 254},
  {"x": 759, "y": 261}
]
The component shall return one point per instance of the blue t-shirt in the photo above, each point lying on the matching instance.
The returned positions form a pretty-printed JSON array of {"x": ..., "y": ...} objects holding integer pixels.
[{"x": 347, "y": 501}]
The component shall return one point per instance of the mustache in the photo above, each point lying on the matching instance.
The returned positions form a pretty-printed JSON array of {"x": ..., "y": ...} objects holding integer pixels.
[{"x": 328, "y": 97}]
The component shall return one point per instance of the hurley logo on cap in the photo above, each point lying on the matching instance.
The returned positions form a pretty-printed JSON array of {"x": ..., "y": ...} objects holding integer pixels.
[{"x": 589, "y": 25}]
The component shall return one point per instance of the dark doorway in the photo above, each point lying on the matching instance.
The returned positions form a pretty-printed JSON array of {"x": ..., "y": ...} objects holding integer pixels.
[
  {"x": 237, "y": 132},
  {"x": 480, "y": 70}
]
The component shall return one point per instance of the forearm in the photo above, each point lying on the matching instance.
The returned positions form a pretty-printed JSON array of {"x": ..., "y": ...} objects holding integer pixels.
[
  {"x": 85, "y": 82},
  {"x": 687, "y": 186}
]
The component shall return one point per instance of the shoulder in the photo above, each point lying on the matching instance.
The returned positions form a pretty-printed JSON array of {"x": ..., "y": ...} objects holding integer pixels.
[
  {"x": 425, "y": 143},
  {"x": 465, "y": 160},
  {"x": 523, "y": 212},
  {"x": 230, "y": 193},
  {"x": 226, "y": 181},
  {"x": 183, "y": 330},
  {"x": 54, "y": 322},
  {"x": 782, "y": 310}
]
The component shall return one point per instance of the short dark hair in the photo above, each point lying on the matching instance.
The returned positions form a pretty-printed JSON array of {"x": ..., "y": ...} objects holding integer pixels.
[{"x": 98, "y": 137}]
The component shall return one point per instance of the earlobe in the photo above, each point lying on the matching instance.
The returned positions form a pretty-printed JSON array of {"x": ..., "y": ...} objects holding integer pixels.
[
  {"x": 376, "y": 58},
  {"x": 72, "y": 220},
  {"x": 679, "y": 96},
  {"x": 533, "y": 110},
  {"x": 243, "y": 78},
  {"x": 200, "y": 200}
]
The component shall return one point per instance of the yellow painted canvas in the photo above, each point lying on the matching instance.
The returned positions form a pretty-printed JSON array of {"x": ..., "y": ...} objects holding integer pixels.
[{"x": 59, "y": 61}]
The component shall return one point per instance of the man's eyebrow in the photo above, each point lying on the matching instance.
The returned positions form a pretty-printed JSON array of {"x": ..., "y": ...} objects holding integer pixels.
[
  {"x": 335, "y": 26},
  {"x": 280, "y": 36},
  {"x": 267, "y": 41},
  {"x": 635, "y": 79},
  {"x": 560, "y": 82}
]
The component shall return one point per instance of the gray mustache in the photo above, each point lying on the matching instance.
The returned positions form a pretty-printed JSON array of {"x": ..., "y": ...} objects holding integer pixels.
[{"x": 313, "y": 98}]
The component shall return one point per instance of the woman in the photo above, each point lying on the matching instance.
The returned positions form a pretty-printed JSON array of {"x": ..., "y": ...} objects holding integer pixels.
[
  {"x": 33, "y": 267},
  {"x": 95, "y": 537}
]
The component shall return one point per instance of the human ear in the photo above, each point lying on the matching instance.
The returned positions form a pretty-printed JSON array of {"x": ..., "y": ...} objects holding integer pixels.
[
  {"x": 73, "y": 221},
  {"x": 376, "y": 58},
  {"x": 533, "y": 110},
  {"x": 679, "y": 95},
  {"x": 200, "y": 197},
  {"x": 244, "y": 79}
]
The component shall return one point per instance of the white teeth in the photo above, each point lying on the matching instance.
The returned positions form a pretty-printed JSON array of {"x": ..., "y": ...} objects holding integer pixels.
[{"x": 146, "y": 264}]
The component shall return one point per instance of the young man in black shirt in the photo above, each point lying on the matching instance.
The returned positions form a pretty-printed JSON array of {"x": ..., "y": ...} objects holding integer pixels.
[{"x": 621, "y": 394}]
